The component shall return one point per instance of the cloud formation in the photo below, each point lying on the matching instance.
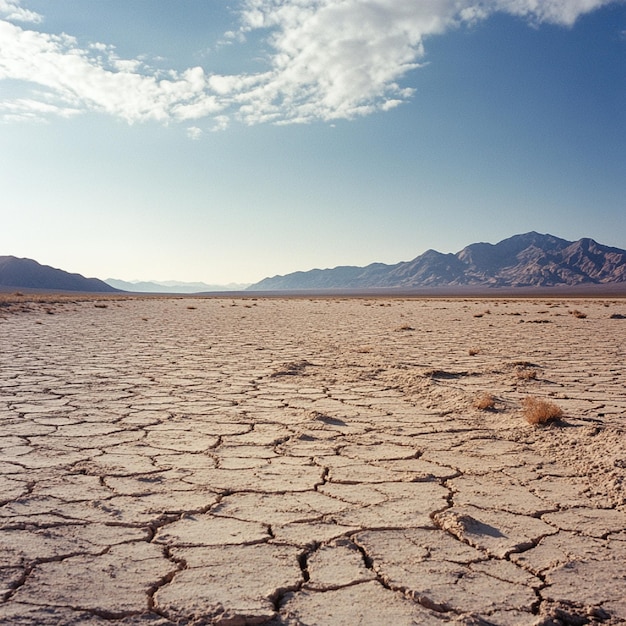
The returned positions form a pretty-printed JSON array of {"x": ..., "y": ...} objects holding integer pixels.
[
  {"x": 325, "y": 60},
  {"x": 11, "y": 10}
]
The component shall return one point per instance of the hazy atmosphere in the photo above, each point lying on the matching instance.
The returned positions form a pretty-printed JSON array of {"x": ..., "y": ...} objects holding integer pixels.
[{"x": 228, "y": 141}]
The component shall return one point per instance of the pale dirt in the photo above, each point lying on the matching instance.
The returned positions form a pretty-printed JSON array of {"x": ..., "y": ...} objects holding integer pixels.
[{"x": 312, "y": 461}]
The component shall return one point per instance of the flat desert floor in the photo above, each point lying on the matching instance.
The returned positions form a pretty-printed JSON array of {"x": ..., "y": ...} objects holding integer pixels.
[{"x": 312, "y": 462}]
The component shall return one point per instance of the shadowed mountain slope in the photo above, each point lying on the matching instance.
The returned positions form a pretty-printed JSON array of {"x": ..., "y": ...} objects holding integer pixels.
[
  {"x": 528, "y": 260},
  {"x": 28, "y": 274}
]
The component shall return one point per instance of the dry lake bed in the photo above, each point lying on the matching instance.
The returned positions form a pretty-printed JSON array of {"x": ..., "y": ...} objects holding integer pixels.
[{"x": 312, "y": 462}]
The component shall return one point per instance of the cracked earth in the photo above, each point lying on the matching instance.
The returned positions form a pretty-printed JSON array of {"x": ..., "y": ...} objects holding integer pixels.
[{"x": 312, "y": 461}]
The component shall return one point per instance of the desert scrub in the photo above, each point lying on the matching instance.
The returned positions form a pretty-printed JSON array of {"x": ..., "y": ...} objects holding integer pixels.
[
  {"x": 485, "y": 402},
  {"x": 537, "y": 411},
  {"x": 293, "y": 368},
  {"x": 579, "y": 314},
  {"x": 525, "y": 373},
  {"x": 474, "y": 351}
]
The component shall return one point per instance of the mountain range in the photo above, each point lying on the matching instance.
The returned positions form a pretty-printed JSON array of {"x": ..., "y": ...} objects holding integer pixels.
[
  {"x": 28, "y": 274},
  {"x": 170, "y": 286},
  {"x": 528, "y": 260},
  {"x": 531, "y": 260}
]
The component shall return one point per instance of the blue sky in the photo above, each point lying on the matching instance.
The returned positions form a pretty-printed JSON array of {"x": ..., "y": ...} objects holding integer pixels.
[{"x": 225, "y": 141}]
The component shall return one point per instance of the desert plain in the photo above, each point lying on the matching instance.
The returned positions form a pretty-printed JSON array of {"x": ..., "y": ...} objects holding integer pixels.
[{"x": 312, "y": 461}]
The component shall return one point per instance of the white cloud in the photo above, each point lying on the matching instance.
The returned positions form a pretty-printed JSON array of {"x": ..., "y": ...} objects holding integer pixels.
[
  {"x": 193, "y": 132},
  {"x": 564, "y": 12},
  {"x": 100, "y": 83},
  {"x": 24, "y": 109},
  {"x": 221, "y": 122},
  {"x": 325, "y": 60},
  {"x": 11, "y": 10}
]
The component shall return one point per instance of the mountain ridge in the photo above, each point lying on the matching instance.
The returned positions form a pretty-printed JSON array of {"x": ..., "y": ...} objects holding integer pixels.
[
  {"x": 170, "y": 286},
  {"x": 24, "y": 273},
  {"x": 527, "y": 260}
]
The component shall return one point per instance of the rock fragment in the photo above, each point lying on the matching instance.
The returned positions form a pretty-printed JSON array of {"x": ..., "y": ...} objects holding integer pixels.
[{"x": 496, "y": 532}]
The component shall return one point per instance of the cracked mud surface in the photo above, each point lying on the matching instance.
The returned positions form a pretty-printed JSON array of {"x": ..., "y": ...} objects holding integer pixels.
[{"x": 312, "y": 461}]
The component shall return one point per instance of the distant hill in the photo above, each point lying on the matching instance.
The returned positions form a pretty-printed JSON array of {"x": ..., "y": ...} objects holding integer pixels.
[
  {"x": 171, "y": 286},
  {"x": 28, "y": 274},
  {"x": 528, "y": 260}
]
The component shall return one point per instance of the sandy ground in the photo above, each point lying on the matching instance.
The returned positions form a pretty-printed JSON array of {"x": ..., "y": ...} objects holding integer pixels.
[{"x": 322, "y": 461}]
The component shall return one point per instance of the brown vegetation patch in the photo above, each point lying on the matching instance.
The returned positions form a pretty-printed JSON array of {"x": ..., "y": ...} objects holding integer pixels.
[
  {"x": 523, "y": 373},
  {"x": 485, "y": 402},
  {"x": 293, "y": 368},
  {"x": 537, "y": 411},
  {"x": 524, "y": 370},
  {"x": 579, "y": 314},
  {"x": 436, "y": 373}
]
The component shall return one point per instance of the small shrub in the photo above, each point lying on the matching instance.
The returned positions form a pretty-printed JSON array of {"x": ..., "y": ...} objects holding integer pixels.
[
  {"x": 100, "y": 305},
  {"x": 192, "y": 308},
  {"x": 294, "y": 368},
  {"x": 485, "y": 402},
  {"x": 525, "y": 373},
  {"x": 473, "y": 351},
  {"x": 579, "y": 314},
  {"x": 404, "y": 327},
  {"x": 537, "y": 411}
]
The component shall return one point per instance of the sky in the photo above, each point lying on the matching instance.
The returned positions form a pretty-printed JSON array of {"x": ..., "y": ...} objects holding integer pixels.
[{"x": 224, "y": 141}]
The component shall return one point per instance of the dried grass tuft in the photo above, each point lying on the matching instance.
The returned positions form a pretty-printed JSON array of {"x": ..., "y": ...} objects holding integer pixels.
[
  {"x": 525, "y": 373},
  {"x": 537, "y": 411},
  {"x": 293, "y": 368},
  {"x": 485, "y": 402}
]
